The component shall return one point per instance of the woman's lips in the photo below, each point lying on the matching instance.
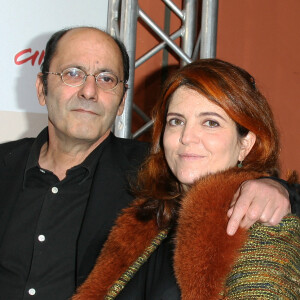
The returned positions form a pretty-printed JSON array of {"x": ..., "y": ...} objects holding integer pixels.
[{"x": 190, "y": 156}]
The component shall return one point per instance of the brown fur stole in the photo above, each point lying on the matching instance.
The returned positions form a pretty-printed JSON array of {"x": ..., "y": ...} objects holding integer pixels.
[{"x": 204, "y": 253}]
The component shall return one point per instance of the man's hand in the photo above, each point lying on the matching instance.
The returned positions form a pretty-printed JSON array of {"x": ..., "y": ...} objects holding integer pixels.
[{"x": 263, "y": 200}]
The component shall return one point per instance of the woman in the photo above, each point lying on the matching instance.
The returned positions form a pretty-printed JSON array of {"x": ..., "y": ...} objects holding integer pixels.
[{"x": 213, "y": 130}]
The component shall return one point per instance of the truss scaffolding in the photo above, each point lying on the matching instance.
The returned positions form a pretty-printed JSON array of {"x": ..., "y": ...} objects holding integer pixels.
[{"x": 123, "y": 16}]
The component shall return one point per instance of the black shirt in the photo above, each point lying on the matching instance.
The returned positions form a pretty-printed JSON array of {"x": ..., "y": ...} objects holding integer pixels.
[{"x": 38, "y": 253}]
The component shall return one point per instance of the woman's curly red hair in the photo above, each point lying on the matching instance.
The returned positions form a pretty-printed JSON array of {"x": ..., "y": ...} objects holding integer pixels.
[{"x": 234, "y": 90}]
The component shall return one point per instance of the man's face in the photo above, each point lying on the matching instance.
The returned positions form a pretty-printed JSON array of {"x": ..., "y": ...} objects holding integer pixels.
[{"x": 85, "y": 113}]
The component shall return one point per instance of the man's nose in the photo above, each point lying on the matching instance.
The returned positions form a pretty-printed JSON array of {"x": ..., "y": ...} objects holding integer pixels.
[{"x": 89, "y": 89}]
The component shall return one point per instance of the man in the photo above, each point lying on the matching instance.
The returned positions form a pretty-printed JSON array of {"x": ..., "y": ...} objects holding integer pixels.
[{"x": 63, "y": 190}]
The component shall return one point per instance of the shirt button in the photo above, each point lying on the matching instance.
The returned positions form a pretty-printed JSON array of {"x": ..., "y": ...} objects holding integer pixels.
[
  {"x": 41, "y": 238},
  {"x": 31, "y": 292},
  {"x": 54, "y": 190}
]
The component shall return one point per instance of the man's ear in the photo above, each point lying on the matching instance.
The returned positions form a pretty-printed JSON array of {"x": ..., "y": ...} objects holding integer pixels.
[
  {"x": 122, "y": 105},
  {"x": 247, "y": 143},
  {"x": 40, "y": 91}
]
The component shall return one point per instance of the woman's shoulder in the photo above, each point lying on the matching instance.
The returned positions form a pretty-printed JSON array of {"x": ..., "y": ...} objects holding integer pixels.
[{"x": 288, "y": 228}]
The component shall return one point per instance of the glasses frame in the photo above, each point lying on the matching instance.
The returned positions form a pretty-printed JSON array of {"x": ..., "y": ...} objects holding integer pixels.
[{"x": 85, "y": 77}]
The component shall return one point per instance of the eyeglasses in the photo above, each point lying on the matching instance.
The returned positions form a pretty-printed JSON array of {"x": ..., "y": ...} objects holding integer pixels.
[{"x": 77, "y": 77}]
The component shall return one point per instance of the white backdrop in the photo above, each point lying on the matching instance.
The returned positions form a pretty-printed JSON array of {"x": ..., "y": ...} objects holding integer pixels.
[{"x": 25, "y": 27}]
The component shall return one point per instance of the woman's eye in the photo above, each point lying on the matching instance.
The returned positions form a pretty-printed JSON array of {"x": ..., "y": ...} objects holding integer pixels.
[
  {"x": 211, "y": 123},
  {"x": 175, "y": 122}
]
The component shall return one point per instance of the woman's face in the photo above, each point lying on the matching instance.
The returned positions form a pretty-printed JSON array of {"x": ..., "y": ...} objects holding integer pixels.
[{"x": 200, "y": 138}]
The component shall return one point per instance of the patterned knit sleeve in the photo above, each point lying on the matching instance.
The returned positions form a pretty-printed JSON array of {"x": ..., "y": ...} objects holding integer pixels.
[{"x": 269, "y": 263}]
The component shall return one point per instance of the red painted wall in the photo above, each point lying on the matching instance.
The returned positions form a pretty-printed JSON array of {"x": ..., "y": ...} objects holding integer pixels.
[{"x": 263, "y": 37}]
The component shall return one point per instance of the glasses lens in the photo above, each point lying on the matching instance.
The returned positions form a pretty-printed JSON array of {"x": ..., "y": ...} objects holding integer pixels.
[
  {"x": 73, "y": 76},
  {"x": 106, "y": 80}
]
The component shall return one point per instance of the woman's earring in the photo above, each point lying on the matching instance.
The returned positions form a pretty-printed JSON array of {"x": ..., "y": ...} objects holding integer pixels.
[{"x": 240, "y": 164}]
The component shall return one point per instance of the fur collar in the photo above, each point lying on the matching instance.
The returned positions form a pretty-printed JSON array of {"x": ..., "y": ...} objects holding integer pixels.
[{"x": 204, "y": 253}]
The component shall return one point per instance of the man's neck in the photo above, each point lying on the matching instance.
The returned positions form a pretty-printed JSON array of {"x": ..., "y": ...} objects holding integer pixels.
[{"x": 58, "y": 157}]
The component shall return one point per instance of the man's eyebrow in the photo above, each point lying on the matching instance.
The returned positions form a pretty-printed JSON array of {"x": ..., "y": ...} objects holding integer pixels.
[
  {"x": 71, "y": 66},
  {"x": 106, "y": 70},
  {"x": 100, "y": 70}
]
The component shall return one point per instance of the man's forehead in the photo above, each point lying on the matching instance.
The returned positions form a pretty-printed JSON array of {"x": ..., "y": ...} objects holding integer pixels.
[
  {"x": 85, "y": 30},
  {"x": 86, "y": 43},
  {"x": 90, "y": 35}
]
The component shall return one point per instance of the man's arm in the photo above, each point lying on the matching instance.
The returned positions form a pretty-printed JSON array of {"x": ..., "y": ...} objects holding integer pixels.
[
  {"x": 294, "y": 193},
  {"x": 264, "y": 200}
]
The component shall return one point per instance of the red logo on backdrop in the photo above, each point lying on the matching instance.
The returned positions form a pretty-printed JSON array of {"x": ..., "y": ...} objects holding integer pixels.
[{"x": 25, "y": 55}]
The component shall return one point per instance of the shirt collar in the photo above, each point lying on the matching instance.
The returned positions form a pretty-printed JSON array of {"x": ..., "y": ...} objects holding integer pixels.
[
  {"x": 89, "y": 163},
  {"x": 33, "y": 158}
]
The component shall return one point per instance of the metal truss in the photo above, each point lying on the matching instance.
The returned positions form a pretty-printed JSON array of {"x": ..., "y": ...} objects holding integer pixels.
[{"x": 122, "y": 21}]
